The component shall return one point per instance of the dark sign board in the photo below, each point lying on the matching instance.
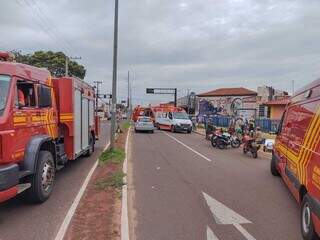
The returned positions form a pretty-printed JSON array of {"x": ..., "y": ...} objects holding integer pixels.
[{"x": 150, "y": 90}]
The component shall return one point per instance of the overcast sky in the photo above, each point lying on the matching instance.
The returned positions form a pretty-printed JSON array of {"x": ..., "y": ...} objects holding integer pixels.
[{"x": 189, "y": 44}]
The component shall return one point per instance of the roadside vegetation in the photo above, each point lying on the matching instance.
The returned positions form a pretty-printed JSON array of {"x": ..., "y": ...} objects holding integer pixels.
[
  {"x": 115, "y": 156},
  {"x": 125, "y": 125},
  {"x": 115, "y": 180}
]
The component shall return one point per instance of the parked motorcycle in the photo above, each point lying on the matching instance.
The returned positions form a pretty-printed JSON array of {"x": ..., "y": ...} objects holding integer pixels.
[
  {"x": 223, "y": 140},
  {"x": 251, "y": 145}
]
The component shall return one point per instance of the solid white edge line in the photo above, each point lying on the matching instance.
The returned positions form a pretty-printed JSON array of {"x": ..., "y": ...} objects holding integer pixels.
[
  {"x": 124, "y": 205},
  {"x": 186, "y": 146},
  {"x": 65, "y": 224}
]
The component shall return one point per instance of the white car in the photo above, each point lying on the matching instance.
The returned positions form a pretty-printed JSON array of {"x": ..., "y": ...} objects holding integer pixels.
[{"x": 144, "y": 124}]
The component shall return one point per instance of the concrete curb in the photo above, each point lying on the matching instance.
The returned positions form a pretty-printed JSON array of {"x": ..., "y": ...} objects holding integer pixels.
[{"x": 124, "y": 200}]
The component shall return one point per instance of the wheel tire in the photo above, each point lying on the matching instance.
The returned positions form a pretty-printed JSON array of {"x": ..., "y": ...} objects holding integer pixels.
[
  {"x": 189, "y": 131},
  {"x": 91, "y": 148},
  {"x": 273, "y": 168},
  {"x": 135, "y": 130},
  {"x": 173, "y": 130},
  {"x": 158, "y": 126},
  {"x": 307, "y": 226},
  {"x": 36, "y": 193},
  {"x": 235, "y": 144},
  {"x": 255, "y": 154},
  {"x": 213, "y": 142},
  {"x": 221, "y": 145},
  {"x": 152, "y": 131},
  {"x": 245, "y": 150}
]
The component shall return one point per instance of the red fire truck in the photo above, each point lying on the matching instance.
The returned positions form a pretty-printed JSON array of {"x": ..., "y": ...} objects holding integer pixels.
[
  {"x": 296, "y": 155},
  {"x": 44, "y": 122}
]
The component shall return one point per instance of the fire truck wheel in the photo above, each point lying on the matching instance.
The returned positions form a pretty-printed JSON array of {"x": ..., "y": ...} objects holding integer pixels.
[
  {"x": 43, "y": 180},
  {"x": 307, "y": 226},
  {"x": 273, "y": 168}
]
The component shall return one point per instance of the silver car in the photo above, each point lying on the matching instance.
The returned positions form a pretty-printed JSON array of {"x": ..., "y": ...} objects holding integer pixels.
[{"x": 144, "y": 124}]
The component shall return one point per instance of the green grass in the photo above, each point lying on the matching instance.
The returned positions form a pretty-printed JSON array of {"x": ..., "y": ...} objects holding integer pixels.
[
  {"x": 112, "y": 156},
  {"x": 125, "y": 125},
  {"x": 115, "y": 181}
]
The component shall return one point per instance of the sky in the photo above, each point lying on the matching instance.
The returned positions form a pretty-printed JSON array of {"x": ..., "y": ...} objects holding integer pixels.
[{"x": 192, "y": 45}]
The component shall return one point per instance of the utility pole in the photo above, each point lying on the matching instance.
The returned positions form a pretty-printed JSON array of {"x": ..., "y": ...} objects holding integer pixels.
[
  {"x": 292, "y": 87},
  {"x": 114, "y": 77},
  {"x": 128, "y": 100},
  {"x": 67, "y": 64},
  {"x": 97, "y": 93}
]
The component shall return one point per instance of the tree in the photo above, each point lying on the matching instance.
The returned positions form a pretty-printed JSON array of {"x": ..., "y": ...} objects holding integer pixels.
[{"x": 53, "y": 61}]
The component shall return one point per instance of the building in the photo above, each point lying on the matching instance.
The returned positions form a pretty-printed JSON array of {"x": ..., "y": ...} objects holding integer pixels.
[
  {"x": 271, "y": 102},
  {"x": 276, "y": 107},
  {"x": 229, "y": 99}
]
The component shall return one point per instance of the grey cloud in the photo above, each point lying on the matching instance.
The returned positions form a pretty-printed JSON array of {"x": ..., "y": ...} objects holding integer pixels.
[{"x": 197, "y": 45}]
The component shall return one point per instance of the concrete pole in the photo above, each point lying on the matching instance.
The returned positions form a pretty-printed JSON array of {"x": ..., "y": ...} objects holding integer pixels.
[{"x": 114, "y": 77}]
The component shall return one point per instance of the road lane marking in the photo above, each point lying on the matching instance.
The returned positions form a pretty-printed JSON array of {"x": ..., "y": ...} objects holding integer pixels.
[
  {"x": 64, "y": 226},
  {"x": 210, "y": 234},
  {"x": 226, "y": 216},
  {"x": 124, "y": 205},
  {"x": 244, "y": 232},
  {"x": 186, "y": 146}
]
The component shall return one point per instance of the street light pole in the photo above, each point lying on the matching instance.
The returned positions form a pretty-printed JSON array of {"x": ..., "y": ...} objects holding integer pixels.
[
  {"x": 97, "y": 94},
  {"x": 114, "y": 77}
]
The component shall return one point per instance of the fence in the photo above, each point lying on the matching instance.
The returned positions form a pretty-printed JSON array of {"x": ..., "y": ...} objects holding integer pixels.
[{"x": 266, "y": 125}]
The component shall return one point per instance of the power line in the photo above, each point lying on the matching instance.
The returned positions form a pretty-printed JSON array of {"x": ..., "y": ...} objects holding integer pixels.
[
  {"x": 39, "y": 21},
  {"x": 49, "y": 22}
]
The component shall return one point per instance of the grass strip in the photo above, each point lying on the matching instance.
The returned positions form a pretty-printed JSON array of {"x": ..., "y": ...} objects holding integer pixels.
[
  {"x": 115, "y": 180},
  {"x": 115, "y": 155}
]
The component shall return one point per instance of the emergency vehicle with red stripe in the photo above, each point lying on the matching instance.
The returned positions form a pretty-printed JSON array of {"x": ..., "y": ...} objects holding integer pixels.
[
  {"x": 296, "y": 156},
  {"x": 44, "y": 123}
]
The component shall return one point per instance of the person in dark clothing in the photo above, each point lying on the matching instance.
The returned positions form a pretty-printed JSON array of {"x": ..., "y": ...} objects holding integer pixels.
[{"x": 209, "y": 129}]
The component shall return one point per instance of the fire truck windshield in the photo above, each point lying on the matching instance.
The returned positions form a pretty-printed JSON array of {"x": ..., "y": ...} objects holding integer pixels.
[{"x": 4, "y": 87}]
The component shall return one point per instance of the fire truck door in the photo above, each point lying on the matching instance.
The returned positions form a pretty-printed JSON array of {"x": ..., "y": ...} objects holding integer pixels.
[
  {"x": 77, "y": 100},
  {"x": 85, "y": 123}
]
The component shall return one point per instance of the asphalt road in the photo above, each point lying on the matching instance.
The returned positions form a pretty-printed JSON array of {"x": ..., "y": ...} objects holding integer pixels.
[
  {"x": 176, "y": 193},
  {"x": 20, "y": 220}
]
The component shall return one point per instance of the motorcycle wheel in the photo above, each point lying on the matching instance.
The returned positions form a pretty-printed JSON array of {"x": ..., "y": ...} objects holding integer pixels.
[
  {"x": 255, "y": 154},
  {"x": 213, "y": 142},
  {"x": 245, "y": 150},
  {"x": 235, "y": 144}
]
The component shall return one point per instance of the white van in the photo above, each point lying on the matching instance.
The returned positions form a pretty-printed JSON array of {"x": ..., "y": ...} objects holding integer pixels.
[{"x": 174, "y": 121}]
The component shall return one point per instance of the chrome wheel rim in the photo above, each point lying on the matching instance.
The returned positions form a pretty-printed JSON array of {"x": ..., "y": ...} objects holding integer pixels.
[
  {"x": 306, "y": 218},
  {"x": 47, "y": 176}
]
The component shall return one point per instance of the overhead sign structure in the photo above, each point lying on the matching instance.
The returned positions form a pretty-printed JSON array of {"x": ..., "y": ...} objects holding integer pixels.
[{"x": 163, "y": 91}]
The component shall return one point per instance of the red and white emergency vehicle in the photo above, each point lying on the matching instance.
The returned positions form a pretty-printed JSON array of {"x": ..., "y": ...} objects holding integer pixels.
[
  {"x": 169, "y": 117},
  {"x": 44, "y": 122},
  {"x": 296, "y": 155}
]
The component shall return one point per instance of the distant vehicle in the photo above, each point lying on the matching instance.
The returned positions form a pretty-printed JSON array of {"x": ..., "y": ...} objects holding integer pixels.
[
  {"x": 176, "y": 120},
  {"x": 250, "y": 144},
  {"x": 144, "y": 124},
  {"x": 296, "y": 155},
  {"x": 101, "y": 113},
  {"x": 124, "y": 116}
]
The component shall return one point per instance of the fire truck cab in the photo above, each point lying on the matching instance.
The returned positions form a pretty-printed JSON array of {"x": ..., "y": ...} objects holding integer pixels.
[
  {"x": 44, "y": 123},
  {"x": 296, "y": 156}
]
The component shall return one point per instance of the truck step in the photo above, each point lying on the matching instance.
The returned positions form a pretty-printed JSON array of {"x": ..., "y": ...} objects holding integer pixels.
[{"x": 23, "y": 186}]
